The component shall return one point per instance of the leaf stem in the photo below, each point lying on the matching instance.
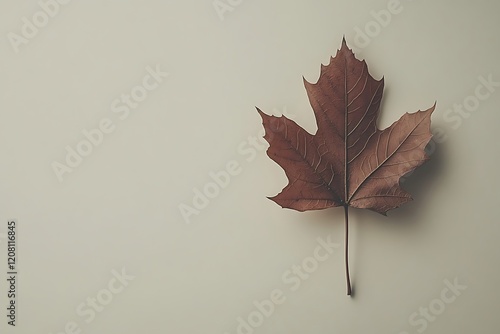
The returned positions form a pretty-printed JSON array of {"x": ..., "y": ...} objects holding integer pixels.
[{"x": 346, "y": 217}]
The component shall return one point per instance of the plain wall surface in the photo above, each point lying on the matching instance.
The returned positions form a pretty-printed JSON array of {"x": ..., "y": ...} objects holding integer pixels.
[{"x": 107, "y": 248}]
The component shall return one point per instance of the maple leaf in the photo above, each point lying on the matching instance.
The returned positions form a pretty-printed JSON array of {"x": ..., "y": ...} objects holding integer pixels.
[{"x": 348, "y": 161}]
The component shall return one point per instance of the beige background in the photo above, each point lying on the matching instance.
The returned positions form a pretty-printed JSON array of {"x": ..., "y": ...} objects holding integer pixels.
[{"x": 121, "y": 207}]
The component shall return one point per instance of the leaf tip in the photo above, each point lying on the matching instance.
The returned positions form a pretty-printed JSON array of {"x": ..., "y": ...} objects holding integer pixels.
[
  {"x": 307, "y": 84},
  {"x": 273, "y": 198},
  {"x": 431, "y": 109},
  {"x": 344, "y": 44},
  {"x": 261, "y": 113}
]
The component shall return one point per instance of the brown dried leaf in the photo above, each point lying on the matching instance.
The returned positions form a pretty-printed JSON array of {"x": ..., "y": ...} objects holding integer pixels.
[{"x": 348, "y": 161}]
